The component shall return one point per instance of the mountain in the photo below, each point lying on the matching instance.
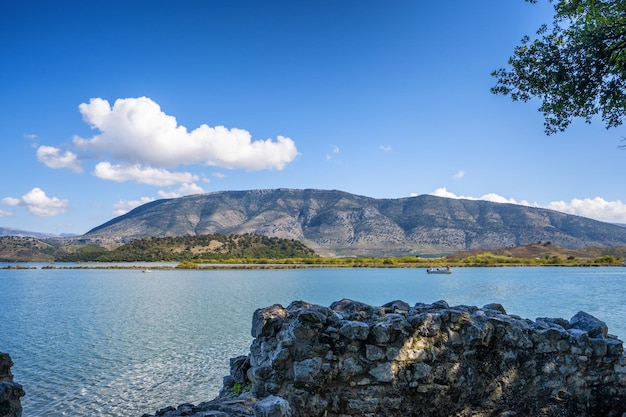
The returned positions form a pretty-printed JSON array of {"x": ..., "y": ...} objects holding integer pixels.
[
  {"x": 8, "y": 231},
  {"x": 343, "y": 224}
]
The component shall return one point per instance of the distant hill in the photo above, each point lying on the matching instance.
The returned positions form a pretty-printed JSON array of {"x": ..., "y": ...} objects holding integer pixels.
[
  {"x": 338, "y": 223},
  {"x": 8, "y": 231},
  {"x": 154, "y": 249},
  {"x": 547, "y": 249},
  {"x": 25, "y": 249}
]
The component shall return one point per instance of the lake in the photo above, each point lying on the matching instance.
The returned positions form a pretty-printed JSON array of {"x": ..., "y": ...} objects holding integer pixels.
[{"x": 122, "y": 343}]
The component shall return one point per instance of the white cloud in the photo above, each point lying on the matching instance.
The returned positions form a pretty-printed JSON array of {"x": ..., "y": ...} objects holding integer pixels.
[
  {"x": 494, "y": 198},
  {"x": 39, "y": 204},
  {"x": 385, "y": 148},
  {"x": 443, "y": 192},
  {"x": 459, "y": 175},
  {"x": 11, "y": 201},
  {"x": 5, "y": 213},
  {"x": 593, "y": 208},
  {"x": 143, "y": 175},
  {"x": 333, "y": 150},
  {"x": 53, "y": 158},
  {"x": 185, "y": 189},
  {"x": 30, "y": 136},
  {"x": 123, "y": 207},
  {"x": 136, "y": 131}
]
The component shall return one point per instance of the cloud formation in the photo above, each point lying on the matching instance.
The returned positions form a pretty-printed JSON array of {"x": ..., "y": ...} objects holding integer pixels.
[
  {"x": 39, "y": 204},
  {"x": 135, "y": 131},
  {"x": 334, "y": 149},
  {"x": 123, "y": 207},
  {"x": 593, "y": 208},
  {"x": 137, "y": 142},
  {"x": 6, "y": 213},
  {"x": 183, "y": 190},
  {"x": 494, "y": 198},
  {"x": 142, "y": 175},
  {"x": 53, "y": 158},
  {"x": 459, "y": 175}
]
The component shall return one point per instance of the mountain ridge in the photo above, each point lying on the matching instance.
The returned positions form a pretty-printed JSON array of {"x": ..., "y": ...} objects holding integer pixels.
[
  {"x": 337, "y": 223},
  {"x": 10, "y": 231}
]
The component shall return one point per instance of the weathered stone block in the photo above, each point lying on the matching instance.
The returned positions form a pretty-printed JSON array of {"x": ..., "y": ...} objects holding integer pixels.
[
  {"x": 385, "y": 372},
  {"x": 590, "y": 324},
  {"x": 354, "y": 330},
  {"x": 272, "y": 406},
  {"x": 307, "y": 371},
  {"x": 374, "y": 353},
  {"x": 266, "y": 321}
]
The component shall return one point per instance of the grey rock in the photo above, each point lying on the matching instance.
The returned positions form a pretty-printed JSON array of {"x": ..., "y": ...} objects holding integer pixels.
[
  {"x": 495, "y": 307},
  {"x": 595, "y": 327},
  {"x": 10, "y": 391},
  {"x": 265, "y": 321},
  {"x": 307, "y": 371},
  {"x": 272, "y": 406},
  {"x": 383, "y": 372},
  {"x": 354, "y": 330}
]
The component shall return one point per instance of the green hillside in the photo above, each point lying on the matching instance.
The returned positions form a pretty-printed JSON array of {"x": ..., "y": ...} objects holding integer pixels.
[{"x": 172, "y": 249}]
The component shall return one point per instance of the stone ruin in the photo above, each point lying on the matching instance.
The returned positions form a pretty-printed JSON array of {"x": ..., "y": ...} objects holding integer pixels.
[
  {"x": 10, "y": 392},
  {"x": 354, "y": 359}
]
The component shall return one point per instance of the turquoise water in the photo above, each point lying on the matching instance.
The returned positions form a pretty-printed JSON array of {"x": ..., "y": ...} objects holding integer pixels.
[{"x": 124, "y": 343}]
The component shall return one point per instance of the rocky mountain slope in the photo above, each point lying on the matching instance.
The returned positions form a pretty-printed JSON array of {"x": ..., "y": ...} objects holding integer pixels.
[{"x": 339, "y": 223}]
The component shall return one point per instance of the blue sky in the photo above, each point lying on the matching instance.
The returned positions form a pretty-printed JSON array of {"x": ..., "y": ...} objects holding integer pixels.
[{"x": 106, "y": 105}]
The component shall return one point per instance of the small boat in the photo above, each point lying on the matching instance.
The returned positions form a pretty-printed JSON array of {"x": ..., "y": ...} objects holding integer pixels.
[
  {"x": 146, "y": 270},
  {"x": 445, "y": 270}
]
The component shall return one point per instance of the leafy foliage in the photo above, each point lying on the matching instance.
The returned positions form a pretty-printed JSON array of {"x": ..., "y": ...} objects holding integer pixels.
[
  {"x": 88, "y": 253},
  {"x": 173, "y": 249},
  {"x": 576, "y": 67},
  {"x": 205, "y": 247}
]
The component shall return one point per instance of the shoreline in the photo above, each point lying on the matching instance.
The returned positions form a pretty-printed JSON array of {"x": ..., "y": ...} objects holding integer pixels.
[{"x": 243, "y": 266}]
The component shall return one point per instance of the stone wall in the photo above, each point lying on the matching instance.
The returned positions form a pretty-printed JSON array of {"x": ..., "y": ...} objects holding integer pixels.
[
  {"x": 353, "y": 359},
  {"x": 10, "y": 392}
]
